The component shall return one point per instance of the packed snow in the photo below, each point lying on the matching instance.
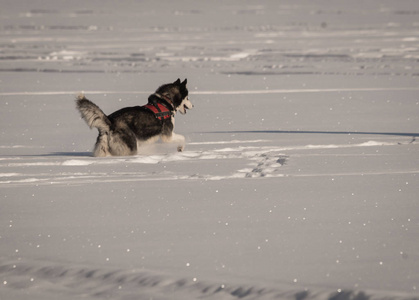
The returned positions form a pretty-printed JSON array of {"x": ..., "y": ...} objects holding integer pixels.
[{"x": 300, "y": 175}]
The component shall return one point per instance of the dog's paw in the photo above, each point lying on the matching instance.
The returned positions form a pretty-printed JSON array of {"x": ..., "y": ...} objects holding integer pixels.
[{"x": 180, "y": 148}]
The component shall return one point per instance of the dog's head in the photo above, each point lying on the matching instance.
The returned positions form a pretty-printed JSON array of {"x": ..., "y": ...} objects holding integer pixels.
[{"x": 178, "y": 94}]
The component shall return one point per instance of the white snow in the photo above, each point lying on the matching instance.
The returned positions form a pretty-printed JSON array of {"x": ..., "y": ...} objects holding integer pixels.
[{"x": 300, "y": 175}]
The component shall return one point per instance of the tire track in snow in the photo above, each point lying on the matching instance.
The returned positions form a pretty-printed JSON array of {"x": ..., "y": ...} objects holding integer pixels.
[{"x": 233, "y": 92}]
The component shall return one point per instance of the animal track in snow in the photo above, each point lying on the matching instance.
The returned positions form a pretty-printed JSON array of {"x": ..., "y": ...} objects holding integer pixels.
[{"x": 268, "y": 164}]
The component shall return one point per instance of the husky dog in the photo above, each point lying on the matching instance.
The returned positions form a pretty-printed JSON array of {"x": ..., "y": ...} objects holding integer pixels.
[{"x": 122, "y": 132}]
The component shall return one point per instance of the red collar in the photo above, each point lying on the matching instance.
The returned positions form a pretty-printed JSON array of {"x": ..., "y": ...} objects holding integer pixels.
[{"x": 167, "y": 99}]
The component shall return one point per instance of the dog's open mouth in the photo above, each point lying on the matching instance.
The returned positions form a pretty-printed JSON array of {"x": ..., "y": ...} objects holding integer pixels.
[
  {"x": 184, "y": 106},
  {"x": 183, "y": 109}
]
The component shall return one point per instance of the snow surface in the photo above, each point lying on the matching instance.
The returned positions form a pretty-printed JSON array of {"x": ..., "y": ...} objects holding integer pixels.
[{"x": 300, "y": 175}]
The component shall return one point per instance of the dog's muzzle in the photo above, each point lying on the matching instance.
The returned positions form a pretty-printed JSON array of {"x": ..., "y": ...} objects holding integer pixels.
[{"x": 186, "y": 104}]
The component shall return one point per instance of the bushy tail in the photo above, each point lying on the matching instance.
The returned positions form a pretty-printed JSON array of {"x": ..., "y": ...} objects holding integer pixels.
[{"x": 93, "y": 115}]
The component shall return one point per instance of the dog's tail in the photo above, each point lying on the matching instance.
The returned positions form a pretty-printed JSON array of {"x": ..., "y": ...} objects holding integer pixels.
[{"x": 93, "y": 115}]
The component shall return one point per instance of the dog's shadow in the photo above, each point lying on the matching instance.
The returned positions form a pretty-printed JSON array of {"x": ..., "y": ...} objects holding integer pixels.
[
  {"x": 408, "y": 134},
  {"x": 69, "y": 154}
]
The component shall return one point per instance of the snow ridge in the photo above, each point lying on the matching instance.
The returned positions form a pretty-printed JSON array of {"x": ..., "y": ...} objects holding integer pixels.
[
  {"x": 247, "y": 161},
  {"x": 122, "y": 284}
]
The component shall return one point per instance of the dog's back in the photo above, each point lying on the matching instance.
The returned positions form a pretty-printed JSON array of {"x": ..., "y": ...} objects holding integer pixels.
[{"x": 120, "y": 131}]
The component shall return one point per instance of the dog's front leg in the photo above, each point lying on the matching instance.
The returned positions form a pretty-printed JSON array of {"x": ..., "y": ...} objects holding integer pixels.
[
  {"x": 175, "y": 138},
  {"x": 180, "y": 140}
]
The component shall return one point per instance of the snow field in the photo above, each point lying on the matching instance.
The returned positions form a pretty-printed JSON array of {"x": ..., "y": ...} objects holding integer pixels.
[{"x": 299, "y": 179}]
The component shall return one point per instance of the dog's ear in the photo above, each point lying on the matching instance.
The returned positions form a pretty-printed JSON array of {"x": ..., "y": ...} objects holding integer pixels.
[
  {"x": 177, "y": 82},
  {"x": 185, "y": 82}
]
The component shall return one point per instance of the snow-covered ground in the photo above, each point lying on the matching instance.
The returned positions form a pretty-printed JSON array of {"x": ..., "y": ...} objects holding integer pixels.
[{"x": 299, "y": 180}]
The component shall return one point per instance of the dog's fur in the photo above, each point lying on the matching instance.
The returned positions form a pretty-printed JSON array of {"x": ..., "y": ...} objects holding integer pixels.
[{"x": 122, "y": 132}]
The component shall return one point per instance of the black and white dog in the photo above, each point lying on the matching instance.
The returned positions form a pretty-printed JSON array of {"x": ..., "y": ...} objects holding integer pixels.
[{"x": 122, "y": 132}]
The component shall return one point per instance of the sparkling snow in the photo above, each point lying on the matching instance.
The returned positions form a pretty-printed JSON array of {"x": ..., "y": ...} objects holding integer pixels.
[{"x": 300, "y": 175}]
